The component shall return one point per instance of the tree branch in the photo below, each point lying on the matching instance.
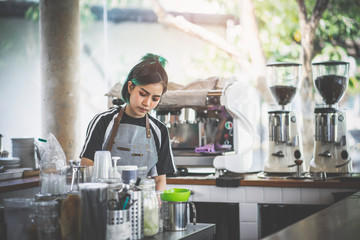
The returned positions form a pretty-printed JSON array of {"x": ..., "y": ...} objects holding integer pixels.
[
  {"x": 351, "y": 45},
  {"x": 183, "y": 25},
  {"x": 318, "y": 10},
  {"x": 302, "y": 11}
]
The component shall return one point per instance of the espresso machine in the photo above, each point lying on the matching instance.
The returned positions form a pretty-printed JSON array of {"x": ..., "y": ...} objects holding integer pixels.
[
  {"x": 285, "y": 148},
  {"x": 198, "y": 133},
  {"x": 208, "y": 129},
  {"x": 331, "y": 152}
]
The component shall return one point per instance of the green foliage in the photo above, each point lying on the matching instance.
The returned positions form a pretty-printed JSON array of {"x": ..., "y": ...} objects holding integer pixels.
[
  {"x": 33, "y": 13},
  {"x": 230, "y": 7},
  {"x": 354, "y": 83},
  {"x": 86, "y": 17},
  {"x": 338, "y": 36},
  {"x": 215, "y": 63},
  {"x": 10, "y": 41},
  {"x": 279, "y": 29},
  {"x": 340, "y": 24},
  {"x": 120, "y": 3},
  {"x": 278, "y": 24}
]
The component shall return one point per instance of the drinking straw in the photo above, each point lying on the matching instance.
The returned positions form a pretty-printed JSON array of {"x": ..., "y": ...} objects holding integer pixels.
[{"x": 126, "y": 202}]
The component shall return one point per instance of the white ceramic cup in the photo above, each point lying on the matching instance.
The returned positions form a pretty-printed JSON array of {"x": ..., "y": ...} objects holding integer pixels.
[{"x": 102, "y": 164}]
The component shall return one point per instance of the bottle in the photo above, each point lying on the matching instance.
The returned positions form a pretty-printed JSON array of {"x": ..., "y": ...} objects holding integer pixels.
[
  {"x": 114, "y": 172},
  {"x": 52, "y": 165},
  {"x": 151, "y": 207}
]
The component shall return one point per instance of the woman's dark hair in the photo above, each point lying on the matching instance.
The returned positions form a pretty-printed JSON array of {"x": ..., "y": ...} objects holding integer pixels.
[{"x": 149, "y": 70}]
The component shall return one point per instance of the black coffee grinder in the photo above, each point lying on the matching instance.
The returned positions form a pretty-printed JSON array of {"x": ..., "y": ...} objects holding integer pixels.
[{"x": 331, "y": 153}]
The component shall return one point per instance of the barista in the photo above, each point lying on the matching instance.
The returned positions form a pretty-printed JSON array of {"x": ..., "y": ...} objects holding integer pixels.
[{"x": 129, "y": 132}]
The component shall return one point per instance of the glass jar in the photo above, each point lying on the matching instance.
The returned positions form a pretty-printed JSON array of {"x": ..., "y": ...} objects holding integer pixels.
[
  {"x": 151, "y": 207},
  {"x": 48, "y": 221},
  {"x": 32, "y": 222},
  {"x": 17, "y": 217}
]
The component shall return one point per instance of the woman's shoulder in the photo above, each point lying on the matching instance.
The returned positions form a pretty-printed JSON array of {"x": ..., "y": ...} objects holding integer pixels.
[{"x": 106, "y": 116}]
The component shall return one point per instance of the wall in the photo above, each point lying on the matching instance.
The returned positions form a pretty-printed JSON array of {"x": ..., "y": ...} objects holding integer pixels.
[{"x": 20, "y": 100}]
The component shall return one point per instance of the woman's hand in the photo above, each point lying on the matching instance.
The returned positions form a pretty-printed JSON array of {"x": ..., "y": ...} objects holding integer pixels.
[{"x": 86, "y": 162}]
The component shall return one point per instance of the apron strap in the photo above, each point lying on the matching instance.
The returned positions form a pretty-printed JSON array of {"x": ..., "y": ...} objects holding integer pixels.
[
  {"x": 116, "y": 127},
  {"x": 148, "y": 133}
]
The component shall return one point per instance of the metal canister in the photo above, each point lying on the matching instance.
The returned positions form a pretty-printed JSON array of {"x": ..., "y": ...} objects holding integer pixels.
[
  {"x": 118, "y": 225},
  {"x": 174, "y": 215}
]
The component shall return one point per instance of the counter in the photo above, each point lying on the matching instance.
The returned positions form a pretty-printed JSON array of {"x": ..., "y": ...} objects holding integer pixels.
[
  {"x": 249, "y": 180},
  {"x": 200, "y": 231},
  {"x": 253, "y": 194},
  {"x": 339, "y": 221},
  {"x": 18, "y": 184},
  {"x": 254, "y": 180},
  {"x": 21, "y": 187}
]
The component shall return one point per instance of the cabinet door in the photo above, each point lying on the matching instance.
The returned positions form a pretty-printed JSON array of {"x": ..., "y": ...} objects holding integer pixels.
[
  {"x": 275, "y": 217},
  {"x": 224, "y": 215}
]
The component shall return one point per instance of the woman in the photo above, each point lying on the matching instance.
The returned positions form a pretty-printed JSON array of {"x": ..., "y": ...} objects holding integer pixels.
[{"x": 129, "y": 132}]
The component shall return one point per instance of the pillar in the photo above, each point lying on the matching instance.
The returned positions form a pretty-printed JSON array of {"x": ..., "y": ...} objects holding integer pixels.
[{"x": 60, "y": 72}]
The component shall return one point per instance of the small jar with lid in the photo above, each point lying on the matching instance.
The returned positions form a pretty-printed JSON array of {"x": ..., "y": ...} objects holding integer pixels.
[{"x": 151, "y": 207}]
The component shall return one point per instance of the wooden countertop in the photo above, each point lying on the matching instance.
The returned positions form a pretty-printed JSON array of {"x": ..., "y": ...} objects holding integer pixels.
[
  {"x": 18, "y": 184},
  {"x": 339, "y": 221},
  {"x": 254, "y": 180}
]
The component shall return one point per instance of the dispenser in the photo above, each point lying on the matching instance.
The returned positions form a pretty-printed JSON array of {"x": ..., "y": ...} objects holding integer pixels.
[
  {"x": 331, "y": 153},
  {"x": 285, "y": 148}
]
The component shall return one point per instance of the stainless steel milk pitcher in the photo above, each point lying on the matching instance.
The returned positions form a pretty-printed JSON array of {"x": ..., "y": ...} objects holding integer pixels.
[{"x": 174, "y": 215}]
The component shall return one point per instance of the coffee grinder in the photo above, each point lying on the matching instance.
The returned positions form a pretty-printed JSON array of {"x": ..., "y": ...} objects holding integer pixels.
[
  {"x": 285, "y": 148},
  {"x": 331, "y": 153}
]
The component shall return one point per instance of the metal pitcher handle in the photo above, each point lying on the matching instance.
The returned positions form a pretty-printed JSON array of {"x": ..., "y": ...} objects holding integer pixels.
[{"x": 194, "y": 212}]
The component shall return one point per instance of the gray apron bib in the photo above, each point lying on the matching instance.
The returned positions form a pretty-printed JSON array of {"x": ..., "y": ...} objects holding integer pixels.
[{"x": 135, "y": 145}]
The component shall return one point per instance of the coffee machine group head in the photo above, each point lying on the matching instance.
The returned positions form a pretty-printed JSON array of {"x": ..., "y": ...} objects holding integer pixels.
[
  {"x": 331, "y": 154},
  {"x": 285, "y": 148}
]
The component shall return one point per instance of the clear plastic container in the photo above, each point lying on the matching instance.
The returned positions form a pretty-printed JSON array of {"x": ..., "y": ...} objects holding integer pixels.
[
  {"x": 151, "y": 207},
  {"x": 17, "y": 217},
  {"x": 53, "y": 167}
]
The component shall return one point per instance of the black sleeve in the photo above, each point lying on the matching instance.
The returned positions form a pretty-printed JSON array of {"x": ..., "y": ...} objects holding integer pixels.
[
  {"x": 165, "y": 164},
  {"x": 94, "y": 138}
]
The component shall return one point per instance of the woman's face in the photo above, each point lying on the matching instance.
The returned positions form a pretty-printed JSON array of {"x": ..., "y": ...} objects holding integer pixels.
[{"x": 143, "y": 98}]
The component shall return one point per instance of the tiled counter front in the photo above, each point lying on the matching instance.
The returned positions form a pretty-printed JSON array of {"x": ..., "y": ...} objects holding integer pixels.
[{"x": 249, "y": 198}]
